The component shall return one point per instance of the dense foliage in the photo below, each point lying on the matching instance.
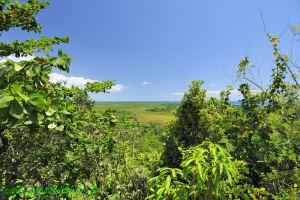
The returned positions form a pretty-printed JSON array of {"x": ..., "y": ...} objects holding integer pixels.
[
  {"x": 53, "y": 138},
  {"x": 262, "y": 136},
  {"x": 207, "y": 170}
]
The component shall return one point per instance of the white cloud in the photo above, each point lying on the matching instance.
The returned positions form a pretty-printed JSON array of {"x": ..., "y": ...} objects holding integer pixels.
[
  {"x": 69, "y": 81},
  {"x": 79, "y": 81},
  {"x": 15, "y": 59},
  {"x": 146, "y": 83},
  {"x": 117, "y": 88}
]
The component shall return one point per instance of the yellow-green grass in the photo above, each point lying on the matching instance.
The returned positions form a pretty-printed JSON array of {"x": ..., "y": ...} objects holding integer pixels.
[{"x": 144, "y": 111}]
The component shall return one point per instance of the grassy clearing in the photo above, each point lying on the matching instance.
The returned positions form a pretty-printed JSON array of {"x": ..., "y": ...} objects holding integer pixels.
[{"x": 160, "y": 112}]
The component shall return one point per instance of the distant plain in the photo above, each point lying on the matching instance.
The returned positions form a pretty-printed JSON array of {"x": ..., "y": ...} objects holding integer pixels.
[{"x": 160, "y": 112}]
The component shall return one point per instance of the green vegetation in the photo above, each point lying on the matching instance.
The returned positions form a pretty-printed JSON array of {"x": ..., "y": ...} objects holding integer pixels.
[
  {"x": 53, "y": 137},
  {"x": 144, "y": 111},
  {"x": 207, "y": 170},
  {"x": 251, "y": 152}
]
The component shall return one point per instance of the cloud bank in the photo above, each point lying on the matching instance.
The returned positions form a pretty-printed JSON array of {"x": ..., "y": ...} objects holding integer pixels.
[{"x": 60, "y": 78}]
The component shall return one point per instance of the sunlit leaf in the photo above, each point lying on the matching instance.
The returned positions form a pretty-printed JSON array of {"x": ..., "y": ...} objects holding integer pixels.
[{"x": 5, "y": 100}]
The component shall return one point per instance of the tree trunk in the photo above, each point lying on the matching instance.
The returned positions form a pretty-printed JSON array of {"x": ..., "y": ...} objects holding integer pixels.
[{"x": 209, "y": 190}]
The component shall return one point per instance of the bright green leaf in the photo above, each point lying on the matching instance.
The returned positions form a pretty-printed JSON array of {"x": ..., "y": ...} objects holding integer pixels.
[
  {"x": 50, "y": 112},
  {"x": 37, "y": 100},
  {"x": 31, "y": 72},
  {"x": 60, "y": 128},
  {"x": 52, "y": 126},
  {"x": 18, "y": 67},
  {"x": 5, "y": 100}
]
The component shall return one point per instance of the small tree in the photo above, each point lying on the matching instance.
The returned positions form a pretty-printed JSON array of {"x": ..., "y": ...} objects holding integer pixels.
[
  {"x": 207, "y": 171},
  {"x": 197, "y": 119}
]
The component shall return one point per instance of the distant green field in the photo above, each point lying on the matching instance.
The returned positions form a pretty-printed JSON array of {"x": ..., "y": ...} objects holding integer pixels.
[{"x": 160, "y": 112}]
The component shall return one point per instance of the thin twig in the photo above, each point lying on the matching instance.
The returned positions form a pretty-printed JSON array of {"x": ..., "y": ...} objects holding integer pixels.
[
  {"x": 292, "y": 74},
  {"x": 258, "y": 86},
  {"x": 287, "y": 66},
  {"x": 264, "y": 24}
]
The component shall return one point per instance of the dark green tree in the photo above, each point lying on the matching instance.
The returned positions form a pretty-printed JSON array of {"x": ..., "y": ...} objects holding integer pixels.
[{"x": 197, "y": 119}]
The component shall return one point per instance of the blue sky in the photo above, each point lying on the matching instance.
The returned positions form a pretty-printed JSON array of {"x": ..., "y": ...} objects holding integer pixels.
[{"x": 154, "y": 48}]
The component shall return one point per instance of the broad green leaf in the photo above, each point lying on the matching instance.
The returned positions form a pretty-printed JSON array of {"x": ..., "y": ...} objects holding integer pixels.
[
  {"x": 60, "y": 128},
  {"x": 5, "y": 100},
  {"x": 65, "y": 112},
  {"x": 23, "y": 96},
  {"x": 36, "y": 69},
  {"x": 28, "y": 122},
  {"x": 50, "y": 111},
  {"x": 16, "y": 110},
  {"x": 160, "y": 191},
  {"x": 59, "y": 61},
  {"x": 31, "y": 72},
  {"x": 16, "y": 88},
  {"x": 37, "y": 100},
  {"x": 52, "y": 126},
  {"x": 18, "y": 67}
]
